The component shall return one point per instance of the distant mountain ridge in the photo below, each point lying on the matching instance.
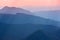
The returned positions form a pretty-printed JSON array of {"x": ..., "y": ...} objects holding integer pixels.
[
  {"x": 22, "y": 18},
  {"x": 13, "y": 10},
  {"x": 54, "y": 15}
]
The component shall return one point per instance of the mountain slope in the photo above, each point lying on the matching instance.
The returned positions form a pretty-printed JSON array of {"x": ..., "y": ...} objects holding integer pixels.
[
  {"x": 20, "y": 26},
  {"x": 38, "y": 35},
  {"x": 54, "y": 15},
  {"x": 13, "y": 10},
  {"x": 22, "y": 18},
  {"x": 23, "y": 31}
]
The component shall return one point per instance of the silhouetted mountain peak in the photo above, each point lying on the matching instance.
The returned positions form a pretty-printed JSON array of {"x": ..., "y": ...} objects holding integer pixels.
[
  {"x": 6, "y": 7},
  {"x": 38, "y": 35},
  {"x": 13, "y": 10}
]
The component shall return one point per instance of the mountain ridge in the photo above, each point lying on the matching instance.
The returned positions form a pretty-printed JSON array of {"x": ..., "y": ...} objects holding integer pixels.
[
  {"x": 13, "y": 10},
  {"x": 53, "y": 15},
  {"x": 22, "y": 18},
  {"x": 21, "y": 25}
]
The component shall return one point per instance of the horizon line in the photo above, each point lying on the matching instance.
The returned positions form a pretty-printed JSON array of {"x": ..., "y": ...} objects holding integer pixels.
[{"x": 36, "y": 8}]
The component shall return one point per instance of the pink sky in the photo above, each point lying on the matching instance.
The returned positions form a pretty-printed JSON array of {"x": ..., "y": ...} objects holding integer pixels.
[{"x": 30, "y": 3}]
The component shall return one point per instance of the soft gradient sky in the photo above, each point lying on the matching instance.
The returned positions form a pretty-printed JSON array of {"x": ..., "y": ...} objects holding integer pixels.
[{"x": 31, "y": 4}]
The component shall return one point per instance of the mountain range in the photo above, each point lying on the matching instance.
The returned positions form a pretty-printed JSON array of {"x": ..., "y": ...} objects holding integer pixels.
[
  {"x": 22, "y": 18},
  {"x": 21, "y": 26},
  {"x": 16, "y": 25}
]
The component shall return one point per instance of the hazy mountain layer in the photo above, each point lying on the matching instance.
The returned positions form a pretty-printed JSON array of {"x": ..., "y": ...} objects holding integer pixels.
[
  {"x": 54, "y": 15},
  {"x": 22, "y": 27},
  {"x": 21, "y": 18}
]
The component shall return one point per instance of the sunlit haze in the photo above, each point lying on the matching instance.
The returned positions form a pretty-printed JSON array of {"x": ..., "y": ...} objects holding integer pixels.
[{"x": 32, "y": 4}]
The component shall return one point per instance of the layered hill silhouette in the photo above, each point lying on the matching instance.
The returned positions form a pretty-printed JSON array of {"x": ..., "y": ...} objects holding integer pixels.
[
  {"x": 21, "y": 18},
  {"x": 16, "y": 25},
  {"x": 54, "y": 14},
  {"x": 28, "y": 32},
  {"x": 20, "y": 26}
]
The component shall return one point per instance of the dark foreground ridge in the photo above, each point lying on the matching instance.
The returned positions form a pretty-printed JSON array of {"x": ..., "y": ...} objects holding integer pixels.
[
  {"x": 27, "y": 27},
  {"x": 38, "y": 35},
  {"x": 28, "y": 32}
]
